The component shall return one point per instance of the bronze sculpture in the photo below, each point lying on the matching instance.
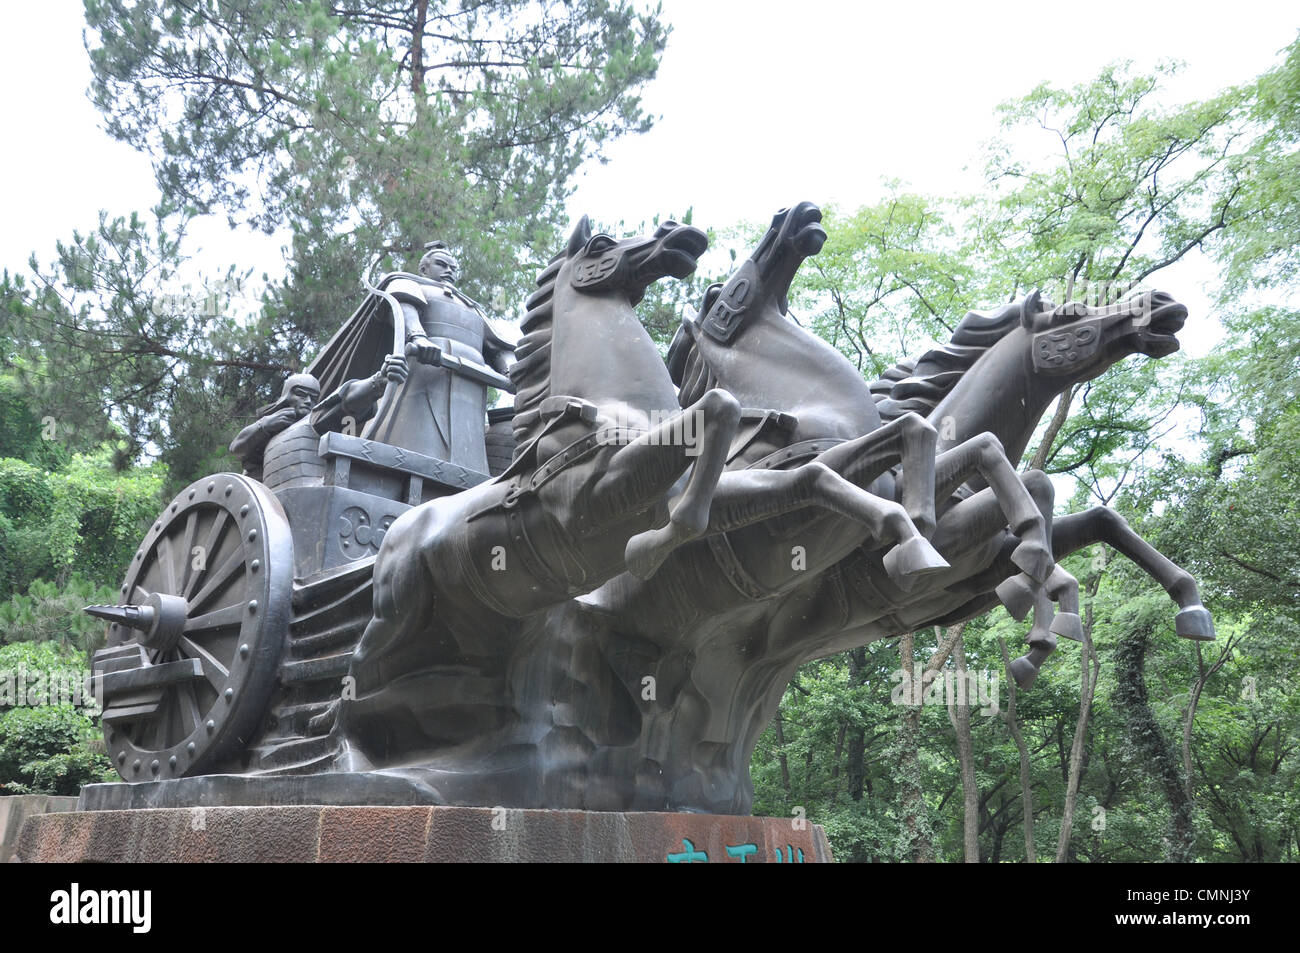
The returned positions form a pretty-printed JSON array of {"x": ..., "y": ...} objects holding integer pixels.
[
  {"x": 454, "y": 355},
  {"x": 610, "y": 622}
]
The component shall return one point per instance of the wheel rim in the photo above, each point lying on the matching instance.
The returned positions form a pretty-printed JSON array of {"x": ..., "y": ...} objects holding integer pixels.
[{"x": 223, "y": 547}]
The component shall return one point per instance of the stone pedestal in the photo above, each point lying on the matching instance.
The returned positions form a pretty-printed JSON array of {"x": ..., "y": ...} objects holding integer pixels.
[
  {"x": 14, "y": 811},
  {"x": 318, "y": 834}
]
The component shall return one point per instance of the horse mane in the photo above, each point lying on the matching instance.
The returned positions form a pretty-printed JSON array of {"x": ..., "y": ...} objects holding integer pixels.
[
  {"x": 687, "y": 367},
  {"x": 531, "y": 371},
  {"x": 916, "y": 385}
]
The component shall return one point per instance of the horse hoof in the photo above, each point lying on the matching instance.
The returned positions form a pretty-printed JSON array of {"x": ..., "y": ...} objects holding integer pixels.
[
  {"x": 1194, "y": 622},
  {"x": 1018, "y": 594},
  {"x": 1024, "y": 672},
  {"x": 911, "y": 560},
  {"x": 1035, "y": 559},
  {"x": 1068, "y": 626}
]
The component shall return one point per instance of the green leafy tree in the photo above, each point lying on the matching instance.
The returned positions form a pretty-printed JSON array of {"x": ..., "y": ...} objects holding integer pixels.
[{"x": 47, "y": 745}]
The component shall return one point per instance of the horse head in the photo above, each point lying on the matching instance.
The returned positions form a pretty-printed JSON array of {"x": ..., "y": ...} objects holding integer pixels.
[
  {"x": 601, "y": 265},
  {"x": 1079, "y": 342},
  {"x": 581, "y": 337},
  {"x": 1002, "y": 369},
  {"x": 796, "y": 234}
]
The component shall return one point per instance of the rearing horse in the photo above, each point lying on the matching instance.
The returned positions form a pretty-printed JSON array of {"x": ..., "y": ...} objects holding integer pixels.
[
  {"x": 720, "y": 684},
  {"x": 824, "y": 414},
  {"x": 997, "y": 378},
  {"x": 604, "y": 480}
]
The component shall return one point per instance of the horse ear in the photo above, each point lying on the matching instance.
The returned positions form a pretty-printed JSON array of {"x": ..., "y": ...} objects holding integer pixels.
[
  {"x": 710, "y": 296},
  {"x": 581, "y": 235},
  {"x": 1029, "y": 308}
]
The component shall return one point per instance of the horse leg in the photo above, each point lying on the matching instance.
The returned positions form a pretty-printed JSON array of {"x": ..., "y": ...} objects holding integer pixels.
[
  {"x": 983, "y": 454},
  {"x": 748, "y": 496},
  {"x": 1019, "y": 593},
  {"x": 714, "y": 418},
  {"x": 1101, "y": 524},
  {"x": 1042, "y": 642},
  {"x": 909, "y": 440},
  {"x": 978, "y": 518}
]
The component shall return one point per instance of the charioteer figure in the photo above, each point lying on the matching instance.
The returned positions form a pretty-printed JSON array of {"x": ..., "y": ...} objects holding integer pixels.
[{"x": 440, "y": 409}]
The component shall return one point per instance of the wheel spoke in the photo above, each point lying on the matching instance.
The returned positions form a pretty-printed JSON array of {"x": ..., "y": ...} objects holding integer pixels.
[
  {"x": 217, "y": 579},
  {"x": 230, "y": 615},
  {"x": 189, "y": 706},
  {"x": 210, "y": 545},
  {"x": 164, "y": 557},
  {"x": 213, "y": 670},
  {"x": 158, "y": 727},
  {"x": 187, "y": 564}
]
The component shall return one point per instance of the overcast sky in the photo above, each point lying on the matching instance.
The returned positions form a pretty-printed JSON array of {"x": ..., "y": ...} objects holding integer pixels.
[{"x": 762, "y": 104}]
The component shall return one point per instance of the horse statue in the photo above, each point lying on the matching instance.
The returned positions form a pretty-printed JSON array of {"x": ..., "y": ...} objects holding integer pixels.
[
  {"x": 604, "y": 481},
  {"x": 746, "y": 343},
  {"x": 721, "y": 668},
  {"x": 1028, "y": 352}
]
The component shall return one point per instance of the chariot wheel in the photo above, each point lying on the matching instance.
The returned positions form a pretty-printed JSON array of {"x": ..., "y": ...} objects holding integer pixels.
[{"x": 194, "y": 650}]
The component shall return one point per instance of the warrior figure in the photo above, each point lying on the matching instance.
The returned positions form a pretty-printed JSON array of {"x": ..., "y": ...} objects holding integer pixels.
[
  {"x": 280, "y": 448},
  {"x": 440, "y": 410},
  {"x": 297, "y": 398}
]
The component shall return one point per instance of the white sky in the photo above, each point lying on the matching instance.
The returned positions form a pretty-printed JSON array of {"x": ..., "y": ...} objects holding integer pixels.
[{"x": 762, "y": 103}]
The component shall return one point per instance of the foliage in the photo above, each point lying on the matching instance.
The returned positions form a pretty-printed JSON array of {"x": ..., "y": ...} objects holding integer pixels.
[
  {"x": 85, "y": 519},
  {"x": 51, "y": 613},
  {"x": 888, "y": 280},
  {"x": 45, "y": 748}
]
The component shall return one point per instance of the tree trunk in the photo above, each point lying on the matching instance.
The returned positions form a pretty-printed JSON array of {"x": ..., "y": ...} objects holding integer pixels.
[
  {"x": 1026, "y": 786},
  {"x": 857, "y": 741},
  {"x": 417, "y": 50},
  {"x": 914, "y": 814},
  {"x": 959, "y": 715},
  {"x": 780, "y": 752},
  {"x": 1089, "y": 666},
  {"x": 835, "y": 767},
  {"x": 1059, "y": 418},
  {"x": 916, "y": 831},
  {"x": 1151, "y": 745},
  {"x": 1189, "y": 717}
]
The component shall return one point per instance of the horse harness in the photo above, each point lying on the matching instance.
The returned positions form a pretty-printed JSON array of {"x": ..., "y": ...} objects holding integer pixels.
[
  {"x": 724, "y": 555},
  {"x": 532, "y": 529}
]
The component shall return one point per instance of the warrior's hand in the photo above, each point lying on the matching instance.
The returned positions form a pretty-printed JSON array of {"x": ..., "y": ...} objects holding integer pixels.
[
  {"x": 394, "y": 369},
  {"x": 280, "y": 420},
  {"x": 424, "y": 350}
]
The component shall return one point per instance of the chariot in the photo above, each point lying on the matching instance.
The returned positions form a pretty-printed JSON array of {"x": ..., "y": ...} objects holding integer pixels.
[{"x": 245, "y": 601}]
